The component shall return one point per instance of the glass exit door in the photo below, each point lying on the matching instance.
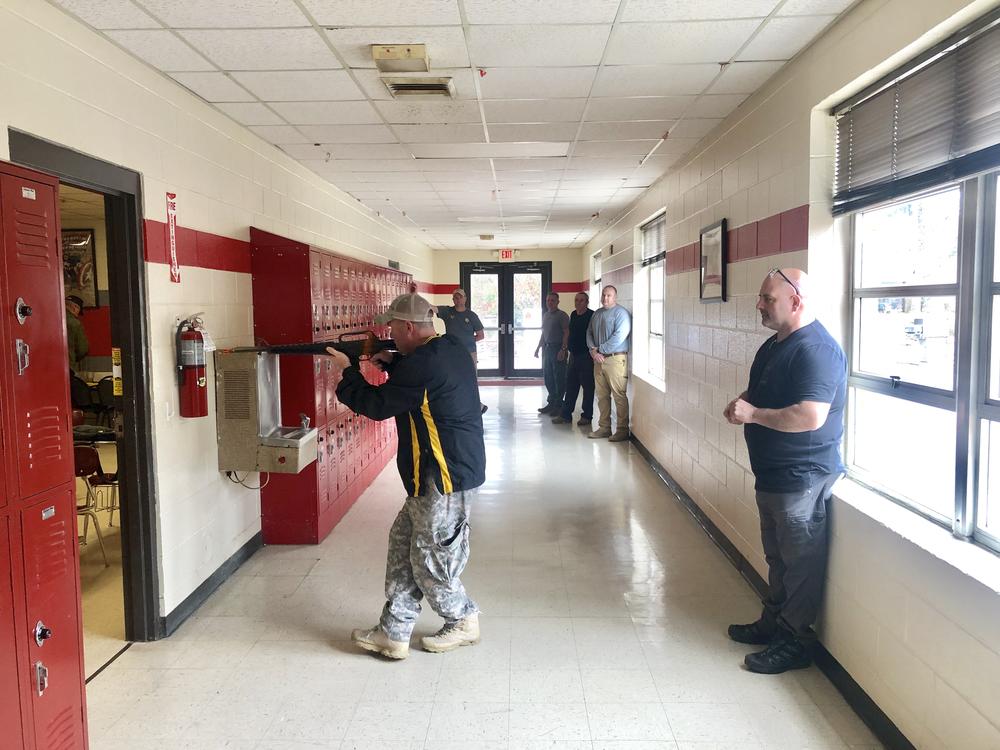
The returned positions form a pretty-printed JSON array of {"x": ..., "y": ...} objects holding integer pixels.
[{"x": 510, "y": 300}]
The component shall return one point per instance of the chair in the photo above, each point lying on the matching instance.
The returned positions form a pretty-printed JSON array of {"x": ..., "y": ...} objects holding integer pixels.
[
  {"x": 87, "y": 463},
  {"x": 83, "y": 396},
  {"x": 106, "y": 400}
]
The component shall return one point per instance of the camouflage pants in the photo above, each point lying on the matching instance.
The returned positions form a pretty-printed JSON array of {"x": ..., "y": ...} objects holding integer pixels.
[{"x": 428, "y": 550}]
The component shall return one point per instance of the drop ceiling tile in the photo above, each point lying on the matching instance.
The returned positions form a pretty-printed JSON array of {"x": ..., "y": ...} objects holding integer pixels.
[
  {"x": 161, "y": 49},
  {"x": 693, "y": 128},
  {"x": 300, "y": 85},
  {"x": 348, "y": 134},
  {"x": 376, "y": 12},
  {"x": 529, "y": 165},
  {"x": 814, "y": 7},
  {"x": 263, "y": 49},
  {"x": 715, "y": 105},
  {"x": 520, "y": 11},
  {"x": 464, "y": 133},
  {"x": 782, "y": 38},
  {"x": 233, "y": 14},
  {"x": 613, "y": 131},
  {"x": 537, "y": 45},
  {"x": 654, "y": 80},
  {"x": 689, "y": 10},
  {"x": 213, "y": 87},
  {"x": 559, "y": 131},
  {"x": 373, "y": 87},
  {"x": 376, "y": 165},
  {"x": 250, "y": 113},
  {"x": 534, "y": 111},
  {"x": 745, "y": 77},
  {"x": 377, "y": 179},
  {"x": 368, "y": 151},
  {"x": 110, "y": 14},
  {"x": 614, "y": 148},
  {"x": 405, "y": 112},
  {"x": 638, "y": 108},
  {"x": 445, "y": 44},
  {"x": 684, "y": 42},
  {"x": 327, "y": 113},
  {"x": 536, "y": 83},
  {"x": 279, "y": 135},
  {"x": 451, "y": 165}
]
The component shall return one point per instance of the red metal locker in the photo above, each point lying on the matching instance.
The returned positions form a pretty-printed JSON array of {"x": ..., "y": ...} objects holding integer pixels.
[
  {"x": 316, "y": 293},
  {"x": 52, "y": 599},
  {"x": 328, "y": 313},
  {"x": 36, "y": 325},
  {"x": 328, "y": 389},
  {"x": 10, "y": 687}
]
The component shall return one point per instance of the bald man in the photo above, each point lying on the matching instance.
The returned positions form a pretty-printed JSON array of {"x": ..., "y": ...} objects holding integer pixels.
[{"x": 793, "y": 421}]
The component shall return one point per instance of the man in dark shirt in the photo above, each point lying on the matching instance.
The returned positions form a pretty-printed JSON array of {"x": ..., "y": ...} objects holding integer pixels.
[
  {"x": 581, "y": 365},
  {"x": 792, "y": 414},
  {"x": 433, "y": 394},
  {"x": 461, "y": 322}
]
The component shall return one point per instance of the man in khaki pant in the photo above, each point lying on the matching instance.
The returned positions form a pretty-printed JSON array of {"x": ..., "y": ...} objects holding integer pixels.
[{"x": 607, "y": 339}]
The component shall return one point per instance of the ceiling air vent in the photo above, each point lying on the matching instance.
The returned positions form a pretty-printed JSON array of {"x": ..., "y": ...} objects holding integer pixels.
[
  {"x": 486, "y": 237},
  {"x": 423, "y": 86}
]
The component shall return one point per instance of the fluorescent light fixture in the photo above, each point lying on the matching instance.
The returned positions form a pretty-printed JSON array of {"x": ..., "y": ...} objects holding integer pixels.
[
  {"x": 500, "y": 219},
  {"x": 488, "y": 150}
]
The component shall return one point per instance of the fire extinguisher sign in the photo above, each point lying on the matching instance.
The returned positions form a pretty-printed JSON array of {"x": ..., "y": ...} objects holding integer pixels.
[{"x": 175, "y": 270}]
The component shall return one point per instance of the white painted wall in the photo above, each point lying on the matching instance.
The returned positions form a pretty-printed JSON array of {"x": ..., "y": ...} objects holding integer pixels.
[
  {"x": 912, "y": 614},
  {"x": 62, "y": 82}
]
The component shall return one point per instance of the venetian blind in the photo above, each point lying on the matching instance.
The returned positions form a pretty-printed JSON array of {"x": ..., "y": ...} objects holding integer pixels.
[{"x": 654, "y": 239}]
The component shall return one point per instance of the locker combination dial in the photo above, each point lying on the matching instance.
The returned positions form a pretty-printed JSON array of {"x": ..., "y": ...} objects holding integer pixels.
[
  {"x": 22, "y": 310},
  {"x": 42, "y": 633}
]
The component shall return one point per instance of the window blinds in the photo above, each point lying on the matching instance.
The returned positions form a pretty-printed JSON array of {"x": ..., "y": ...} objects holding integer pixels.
[
  {"x": 654, "y": 239},
  {"x": 933, "y": 123}
]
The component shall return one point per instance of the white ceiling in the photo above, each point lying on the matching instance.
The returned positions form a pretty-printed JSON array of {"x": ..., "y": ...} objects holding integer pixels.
[{"x": 587, "y": 87}]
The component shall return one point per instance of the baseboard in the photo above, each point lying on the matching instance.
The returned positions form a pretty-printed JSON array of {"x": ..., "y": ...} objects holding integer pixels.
[
  {"x": 196, "y": 598},
  {"x": 873, "y": 716}
]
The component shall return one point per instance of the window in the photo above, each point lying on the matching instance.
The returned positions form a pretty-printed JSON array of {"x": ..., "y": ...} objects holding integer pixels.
[
  {"x": 595, "y": 280},
  {"x": 654, "y": 246},
  {"x": 924, "y": 395},
  {"x": 916, "y": 161}
]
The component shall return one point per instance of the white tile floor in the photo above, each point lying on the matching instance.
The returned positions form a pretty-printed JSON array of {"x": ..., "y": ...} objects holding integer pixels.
[{"x": 604, "y": 614}]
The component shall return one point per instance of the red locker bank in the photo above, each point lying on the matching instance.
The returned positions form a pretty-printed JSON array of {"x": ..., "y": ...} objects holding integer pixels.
[
  {"x": 41, "y": 641},
  {"x": 302, "y": 293}
]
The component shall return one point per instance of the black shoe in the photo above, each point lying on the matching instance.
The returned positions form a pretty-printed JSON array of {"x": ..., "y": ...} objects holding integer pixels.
[
  {"x": 546, "y": 410},
  {"x": 754, "y": 634},
  {"x": 483, "y": 408},
  {"x": 785, "y": 652}
]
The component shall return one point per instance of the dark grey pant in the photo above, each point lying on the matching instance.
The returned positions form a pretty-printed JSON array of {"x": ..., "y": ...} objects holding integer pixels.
[
  {"x": 795, "y": 536},
  {"x": 554, "y": 373},
  {"x": 579, "y": 374}
]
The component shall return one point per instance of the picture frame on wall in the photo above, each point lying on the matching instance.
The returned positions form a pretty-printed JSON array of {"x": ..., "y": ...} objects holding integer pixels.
[
  {"x": 712, "y": 262},
  {"x": 79, "y": 265}
]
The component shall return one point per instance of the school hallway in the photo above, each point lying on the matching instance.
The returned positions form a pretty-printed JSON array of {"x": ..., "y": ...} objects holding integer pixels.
[{"x": 604, "y": 614}]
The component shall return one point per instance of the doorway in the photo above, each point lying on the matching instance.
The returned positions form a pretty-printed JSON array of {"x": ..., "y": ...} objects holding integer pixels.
[{"x": 509, "y": 299}]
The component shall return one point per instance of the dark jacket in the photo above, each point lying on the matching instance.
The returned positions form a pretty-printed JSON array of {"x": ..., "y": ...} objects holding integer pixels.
[{"x": 434, "y": 396}]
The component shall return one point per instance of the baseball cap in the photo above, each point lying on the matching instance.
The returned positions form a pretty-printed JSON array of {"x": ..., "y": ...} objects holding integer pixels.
[
  {"x": 410, "y": 307},
  {"x": 75, "y": 300},
  {"x": 459, "y": 290}
]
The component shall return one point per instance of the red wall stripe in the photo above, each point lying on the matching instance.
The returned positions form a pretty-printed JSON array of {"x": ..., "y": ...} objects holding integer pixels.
[
  {"x": 786, "y": 232},
  {"x": 195, "y": 248}
]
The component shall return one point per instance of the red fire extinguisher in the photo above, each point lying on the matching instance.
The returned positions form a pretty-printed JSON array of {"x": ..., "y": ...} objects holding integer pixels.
[{"x": 191, "y": 368}]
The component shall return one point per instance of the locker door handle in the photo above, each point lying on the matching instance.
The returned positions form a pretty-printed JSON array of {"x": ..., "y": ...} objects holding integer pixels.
[
  {"x": 22, "y": 356},
  {"x": 41, "y": 677}
]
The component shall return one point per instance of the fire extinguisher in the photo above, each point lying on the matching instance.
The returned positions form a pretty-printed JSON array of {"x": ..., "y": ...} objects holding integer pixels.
[{"x": 191, "y": 368}]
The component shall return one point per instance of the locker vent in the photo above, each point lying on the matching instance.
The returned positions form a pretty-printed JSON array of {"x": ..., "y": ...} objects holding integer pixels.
[
  {"x": 443, "y": 86},
  {"x": 236, "y": 391},
  {"x": 48, "y": 559},
  {"x": 45, "y": 435},
  {"x": 61, "y": 730},
  {"x": 32, "y": 239}
]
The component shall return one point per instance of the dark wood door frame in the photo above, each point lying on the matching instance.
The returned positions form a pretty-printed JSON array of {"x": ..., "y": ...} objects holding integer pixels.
[{"x": 122, "y": 189}]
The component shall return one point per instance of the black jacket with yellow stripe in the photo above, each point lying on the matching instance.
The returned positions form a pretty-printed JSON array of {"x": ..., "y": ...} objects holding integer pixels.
[{"x": 434, "y": 396}]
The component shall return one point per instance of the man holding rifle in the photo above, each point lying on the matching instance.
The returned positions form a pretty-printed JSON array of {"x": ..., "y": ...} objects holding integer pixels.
[{"x": 433, "y": 394}]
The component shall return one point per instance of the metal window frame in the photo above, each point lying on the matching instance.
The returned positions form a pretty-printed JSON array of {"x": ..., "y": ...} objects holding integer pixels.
[
  {"x": 969, "y": 397},
  {"x": 661, "y": 337}
]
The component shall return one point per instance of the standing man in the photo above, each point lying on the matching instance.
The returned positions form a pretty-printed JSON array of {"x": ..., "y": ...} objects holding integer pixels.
[
  {"x": 433, "y": 394},
  {"x": 607, "y": 340},
  {"x": 792, "y": 413},
  {"x": 553, "y": 345},
  {"x": 581, "y": 366},
  {"x": 76, "y": 337},
  {"x": 462, "y": 323}
]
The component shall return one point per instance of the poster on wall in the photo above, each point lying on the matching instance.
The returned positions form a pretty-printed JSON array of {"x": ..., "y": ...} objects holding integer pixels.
[{"x": 79, "y": 269}]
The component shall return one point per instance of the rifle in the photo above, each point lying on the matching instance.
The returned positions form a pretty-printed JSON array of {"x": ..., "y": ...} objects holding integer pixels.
[{"x": 363, "y": 345}]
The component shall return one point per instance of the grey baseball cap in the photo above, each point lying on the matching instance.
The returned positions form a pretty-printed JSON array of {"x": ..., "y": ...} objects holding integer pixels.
[{"x": 410, "y": 307}]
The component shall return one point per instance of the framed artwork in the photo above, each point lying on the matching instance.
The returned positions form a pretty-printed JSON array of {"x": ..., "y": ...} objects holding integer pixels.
[
  {"x": 712, "y": 286},
  {"x": 79, "y": 271}
]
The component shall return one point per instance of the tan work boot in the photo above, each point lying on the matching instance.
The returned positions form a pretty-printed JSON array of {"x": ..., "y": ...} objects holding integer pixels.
[
  {"x": 377, "y": 641},
  {"x": 462, "y": 633},
  {"x": 619, "y": 437},
  {"x": 598, "y": 434}
]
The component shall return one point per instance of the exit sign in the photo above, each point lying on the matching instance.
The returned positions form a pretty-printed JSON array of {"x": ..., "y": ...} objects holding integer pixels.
[{"x": 506, "y": 253}]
